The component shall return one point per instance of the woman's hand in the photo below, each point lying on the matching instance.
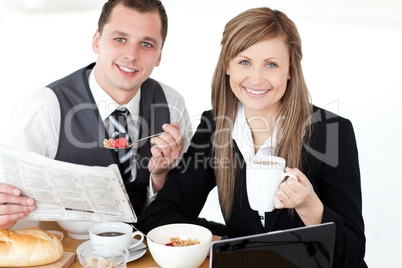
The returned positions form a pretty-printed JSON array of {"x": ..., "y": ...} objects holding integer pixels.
[
  {"x": 214, "y": 238},
  {"x": 299, "y": 195}
]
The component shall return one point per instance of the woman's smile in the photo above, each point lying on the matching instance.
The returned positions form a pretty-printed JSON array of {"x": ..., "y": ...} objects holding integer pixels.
[{"x": 256, "y": 93}]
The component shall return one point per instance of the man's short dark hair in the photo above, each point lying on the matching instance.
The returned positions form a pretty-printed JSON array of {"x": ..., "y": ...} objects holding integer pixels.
[{"x": 141, "y": 6}]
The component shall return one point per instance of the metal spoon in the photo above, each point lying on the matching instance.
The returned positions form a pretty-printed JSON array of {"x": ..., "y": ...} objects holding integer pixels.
[
  {"x": 132, "y": 225},
  {"x": 133, "y": 250},
  {"x": 134, "y": 142}
]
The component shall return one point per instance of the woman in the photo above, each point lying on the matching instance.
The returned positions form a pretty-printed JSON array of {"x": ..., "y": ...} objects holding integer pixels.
[{"x": 261, "y": 106}]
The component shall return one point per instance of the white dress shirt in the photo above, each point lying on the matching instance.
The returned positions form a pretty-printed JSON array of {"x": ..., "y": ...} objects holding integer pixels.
[
  {"x": 34, "y": 125},
  {"x": 242, "y": 135}
]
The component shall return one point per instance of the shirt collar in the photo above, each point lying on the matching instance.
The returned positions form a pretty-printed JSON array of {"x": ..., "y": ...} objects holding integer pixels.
[
  {"x": 242, "y": 135},
  {"x": 106, "y": 104}
]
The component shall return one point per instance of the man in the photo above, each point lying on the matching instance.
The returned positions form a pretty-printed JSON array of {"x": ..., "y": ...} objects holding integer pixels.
[{"x": 69, "y": 119}]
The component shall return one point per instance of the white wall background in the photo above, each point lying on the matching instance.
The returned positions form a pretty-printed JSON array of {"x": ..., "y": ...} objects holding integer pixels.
[{"x": 352, "y": 64}]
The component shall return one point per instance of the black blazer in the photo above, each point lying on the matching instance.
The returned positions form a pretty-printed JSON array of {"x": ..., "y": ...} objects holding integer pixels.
[{"x": 330, "y": 163}]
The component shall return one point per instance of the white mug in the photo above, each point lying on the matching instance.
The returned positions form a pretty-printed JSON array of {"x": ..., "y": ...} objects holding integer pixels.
[
  {"x": 117, "y": 233},
  {"x": 263, "y": 176}
]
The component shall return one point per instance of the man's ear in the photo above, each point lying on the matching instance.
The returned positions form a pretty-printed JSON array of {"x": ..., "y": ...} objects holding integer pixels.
[
  {"x": 95, "y": 42},
  {"x": 159, "y": 59}
]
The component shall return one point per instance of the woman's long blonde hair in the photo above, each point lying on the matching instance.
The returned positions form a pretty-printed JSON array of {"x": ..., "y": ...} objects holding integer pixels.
[{"x": 243, "y": 31}]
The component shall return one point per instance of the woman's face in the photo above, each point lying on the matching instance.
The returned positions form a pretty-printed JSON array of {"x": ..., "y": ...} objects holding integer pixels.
[{"x": 259, "y": 75}]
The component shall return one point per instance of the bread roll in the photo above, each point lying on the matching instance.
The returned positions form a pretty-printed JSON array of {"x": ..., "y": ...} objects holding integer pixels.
[{"x": 28, "y": 247}]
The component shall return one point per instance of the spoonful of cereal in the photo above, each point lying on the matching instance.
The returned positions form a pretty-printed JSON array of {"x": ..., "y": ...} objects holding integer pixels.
[{"x": 122, "y": 143}]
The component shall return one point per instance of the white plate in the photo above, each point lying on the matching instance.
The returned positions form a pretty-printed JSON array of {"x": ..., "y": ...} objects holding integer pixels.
[
  {"x": 133, "y": 256},
  {"x": 57, "y": 233}
]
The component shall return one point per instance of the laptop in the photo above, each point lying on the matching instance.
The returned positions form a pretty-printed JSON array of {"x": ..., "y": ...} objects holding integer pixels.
[{"x": 309, "y": 247}]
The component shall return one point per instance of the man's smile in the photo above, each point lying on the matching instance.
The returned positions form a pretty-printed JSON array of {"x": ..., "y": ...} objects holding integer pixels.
[{"x": 126, "y": 69}]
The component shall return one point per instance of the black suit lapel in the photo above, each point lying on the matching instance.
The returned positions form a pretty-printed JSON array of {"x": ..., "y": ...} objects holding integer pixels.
[{"x": 271, "y": 218}]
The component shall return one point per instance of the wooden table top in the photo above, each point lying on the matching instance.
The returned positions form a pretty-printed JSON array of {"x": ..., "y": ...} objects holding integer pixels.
[{"x": 70, "y": 245}]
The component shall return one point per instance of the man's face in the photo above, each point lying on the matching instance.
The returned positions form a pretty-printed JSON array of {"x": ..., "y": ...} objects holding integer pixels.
[{"x": 128, "y": 49}]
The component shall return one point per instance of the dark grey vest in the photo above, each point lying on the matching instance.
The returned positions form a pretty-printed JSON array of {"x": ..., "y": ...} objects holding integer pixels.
[{"x": 82, "y": 131}]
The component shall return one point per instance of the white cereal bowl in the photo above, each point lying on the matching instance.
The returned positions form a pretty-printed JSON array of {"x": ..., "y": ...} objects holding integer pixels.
[
  {"x": 76, "y": 229},
  {"x": 179, "y": 257}
]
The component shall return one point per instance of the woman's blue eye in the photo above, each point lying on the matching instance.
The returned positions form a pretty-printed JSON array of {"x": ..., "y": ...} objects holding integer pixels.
[
  {"x": 146, "y": 44},
  {"x": 120, "y": 40},
  {"x": 244, "y": 62},
  {"x": 271, "y": 65}
]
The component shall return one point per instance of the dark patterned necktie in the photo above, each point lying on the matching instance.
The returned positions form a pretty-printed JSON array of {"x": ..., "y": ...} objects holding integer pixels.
[{"x": 119, "y": 121}]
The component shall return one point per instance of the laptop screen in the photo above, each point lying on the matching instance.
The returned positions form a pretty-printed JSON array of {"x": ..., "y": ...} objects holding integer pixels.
[{"x": 308, "y": 247}]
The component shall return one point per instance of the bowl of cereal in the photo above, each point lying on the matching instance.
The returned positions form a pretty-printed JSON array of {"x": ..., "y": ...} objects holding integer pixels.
[{"x": 179, "y": 245}]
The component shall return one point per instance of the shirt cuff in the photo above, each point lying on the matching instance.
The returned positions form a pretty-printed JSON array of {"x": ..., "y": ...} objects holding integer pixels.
[{"x": 151, "y": 194}]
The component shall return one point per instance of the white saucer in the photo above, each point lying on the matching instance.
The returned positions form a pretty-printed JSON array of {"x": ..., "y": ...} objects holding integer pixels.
[
  {"x": 133, "y": 256},
  {"x": 60, "y": 234}
]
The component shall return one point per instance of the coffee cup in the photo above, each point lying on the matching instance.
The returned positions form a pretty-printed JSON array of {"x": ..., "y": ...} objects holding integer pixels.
[
  {"x": 264, "y": 174},
  {"x": 116, "y": 233}
]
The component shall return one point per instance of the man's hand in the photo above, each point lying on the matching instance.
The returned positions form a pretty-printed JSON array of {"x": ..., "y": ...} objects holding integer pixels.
[
  {"x": 167, "y": 149},
  {"x": 13, "y": 206}
]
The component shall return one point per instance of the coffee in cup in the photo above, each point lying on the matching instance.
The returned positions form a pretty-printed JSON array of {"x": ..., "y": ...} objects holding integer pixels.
[
  {"x": 265, "y": 162},
  {"x": 111, "y": 234}
]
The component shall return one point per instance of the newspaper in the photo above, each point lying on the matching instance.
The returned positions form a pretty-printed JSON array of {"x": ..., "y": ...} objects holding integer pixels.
[{"x": 65, "y": 191}]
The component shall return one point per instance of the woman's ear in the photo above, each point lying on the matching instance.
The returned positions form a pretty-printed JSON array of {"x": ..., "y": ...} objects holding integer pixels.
[{"x": 228, "y": 70}]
